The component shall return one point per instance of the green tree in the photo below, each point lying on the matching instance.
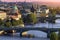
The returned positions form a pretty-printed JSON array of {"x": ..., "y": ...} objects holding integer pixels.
[
  {"x": 8, "y": 24},
  {"x": 53, "y": 12},
  {"x": 53, "y": 36},
  {"x": 31, "y": 18},
  {"x": 1, "y": 22},
  {"x": 17, "y": 22},
  {"x": 21, "y": 21},
  {"x": 59, "y": 35},
  {"x": 14, "y": 22}
]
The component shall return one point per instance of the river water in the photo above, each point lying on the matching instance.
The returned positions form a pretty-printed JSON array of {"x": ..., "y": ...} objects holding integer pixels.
[{"x": 39, "y": 34}]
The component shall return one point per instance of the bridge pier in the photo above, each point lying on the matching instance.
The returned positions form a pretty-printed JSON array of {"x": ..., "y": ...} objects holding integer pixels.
[
  {"x": 58, "y": 32},
  {"x": 21, "y": 33},
  {"x": 48, "y": 34}
]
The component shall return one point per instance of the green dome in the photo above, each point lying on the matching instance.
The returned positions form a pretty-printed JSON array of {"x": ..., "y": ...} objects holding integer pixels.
[{"x": 15, "y": 7}]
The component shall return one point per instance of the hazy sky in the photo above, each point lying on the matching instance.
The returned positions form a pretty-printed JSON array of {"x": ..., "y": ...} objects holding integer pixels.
[{"x": 32, "y": 0}]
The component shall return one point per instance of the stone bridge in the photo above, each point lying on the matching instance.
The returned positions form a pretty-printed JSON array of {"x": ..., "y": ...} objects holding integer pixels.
[{"x": 21, "y": 30}]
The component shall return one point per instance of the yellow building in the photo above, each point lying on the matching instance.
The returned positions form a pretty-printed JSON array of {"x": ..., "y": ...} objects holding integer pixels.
[{"x": 3, "y": 15}]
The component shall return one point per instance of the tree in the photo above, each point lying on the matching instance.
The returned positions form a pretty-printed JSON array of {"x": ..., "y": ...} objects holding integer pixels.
[
  {"x": 20, "y": 21},
  {"x": 17, "y": 22},
  {"x": 14, "y": 22},
  {"x": 31, "y": 18},
  {"x": 53, "y": 36},
  {"x": 1, "y": 22},
  {"x": 53, "y": 12},
  {"x": 59, "y": 35},
  {"x": 8, "y": 24}
]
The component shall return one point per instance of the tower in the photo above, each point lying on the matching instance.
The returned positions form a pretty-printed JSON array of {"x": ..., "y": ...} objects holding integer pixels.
[{"x": 32, "y": 9}]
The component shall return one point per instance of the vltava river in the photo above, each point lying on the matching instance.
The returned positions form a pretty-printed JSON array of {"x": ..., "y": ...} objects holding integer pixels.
[{"x": 41, "y": 35}]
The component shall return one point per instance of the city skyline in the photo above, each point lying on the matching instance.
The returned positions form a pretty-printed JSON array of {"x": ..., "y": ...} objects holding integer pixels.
[{"x": 30, "y": 0}]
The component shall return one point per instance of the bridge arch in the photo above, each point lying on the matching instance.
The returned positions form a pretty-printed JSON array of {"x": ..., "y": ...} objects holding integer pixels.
[
  {"x": 57, "y": 20},
  {"x": 36, "y": 33}
]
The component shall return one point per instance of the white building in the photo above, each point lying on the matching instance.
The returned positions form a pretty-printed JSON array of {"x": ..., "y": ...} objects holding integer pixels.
[{"x": 43, "y": 10}]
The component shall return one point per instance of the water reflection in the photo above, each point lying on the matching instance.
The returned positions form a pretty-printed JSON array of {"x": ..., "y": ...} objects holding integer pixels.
[{"x": 19, "y": 38}]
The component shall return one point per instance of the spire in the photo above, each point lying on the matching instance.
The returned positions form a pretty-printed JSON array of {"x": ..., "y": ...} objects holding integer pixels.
[{"x": 32, "y": 9}]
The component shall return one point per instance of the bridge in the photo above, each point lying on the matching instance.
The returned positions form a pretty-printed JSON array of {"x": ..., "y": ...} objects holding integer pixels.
[
  {"x": 49, "y": 17},
  {"x": 21, "y": 30}
]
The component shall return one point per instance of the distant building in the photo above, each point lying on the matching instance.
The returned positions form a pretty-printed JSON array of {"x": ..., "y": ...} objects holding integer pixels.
[
  {"x": 3, "y": 15},
  {"x": 14, "y": 17},
  {"x": 32, "y": 9},
  {"x": 42, "y": 10},
  {"x": 24, "y": 12},
  {"x": 15, "y": 13}
]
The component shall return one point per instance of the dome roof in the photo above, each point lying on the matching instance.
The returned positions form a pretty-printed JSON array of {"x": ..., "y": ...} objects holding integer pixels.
[{"x": 15, "y": 7}]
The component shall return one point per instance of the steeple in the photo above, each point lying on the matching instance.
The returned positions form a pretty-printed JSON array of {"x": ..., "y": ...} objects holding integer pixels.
[{"x": 32, "y": 9}]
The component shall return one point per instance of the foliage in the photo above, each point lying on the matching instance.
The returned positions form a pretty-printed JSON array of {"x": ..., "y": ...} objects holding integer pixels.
[
  {"x": 17, "y": 22},
  {"x": 53, "y": 36},
  {"x": 53, "y": 12},
  {"x": 1, "y": 22},
  {"x": 14, "y": 22},
  {"x": 31, "y": 18},
  {"x": 8, "y": 24},
  {"x": 21, "y": 21},
  {"x": 59, "y": 35}
]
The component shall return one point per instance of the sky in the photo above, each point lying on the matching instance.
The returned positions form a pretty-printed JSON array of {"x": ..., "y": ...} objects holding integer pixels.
[{"x": 31, "y": 0}]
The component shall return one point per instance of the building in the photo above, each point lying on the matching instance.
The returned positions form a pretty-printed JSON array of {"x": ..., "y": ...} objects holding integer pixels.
[
  {"x": 42, "y": 11},
  {"x": 14, "y": 13},
  {"x": 24, "y": 12},
  {"x": 3, "y": 15},
  {"x": 32, "y": 9}
]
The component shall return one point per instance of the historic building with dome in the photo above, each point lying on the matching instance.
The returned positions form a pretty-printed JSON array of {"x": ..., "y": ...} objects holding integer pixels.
[{"x": 14, "y": 13}]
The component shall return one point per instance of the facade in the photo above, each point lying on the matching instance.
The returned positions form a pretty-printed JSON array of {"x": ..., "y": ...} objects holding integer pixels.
[
  {"x": 3, "y": 15},
  {"x": 24, "y": 12},
  {"x": 42, "y": 11},
  {"x": 16, "y": 17},
  {"x": 15, "y": 13}
]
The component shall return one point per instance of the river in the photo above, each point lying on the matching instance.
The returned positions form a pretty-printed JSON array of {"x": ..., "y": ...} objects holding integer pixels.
[{"x": 39, "y": 34}]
